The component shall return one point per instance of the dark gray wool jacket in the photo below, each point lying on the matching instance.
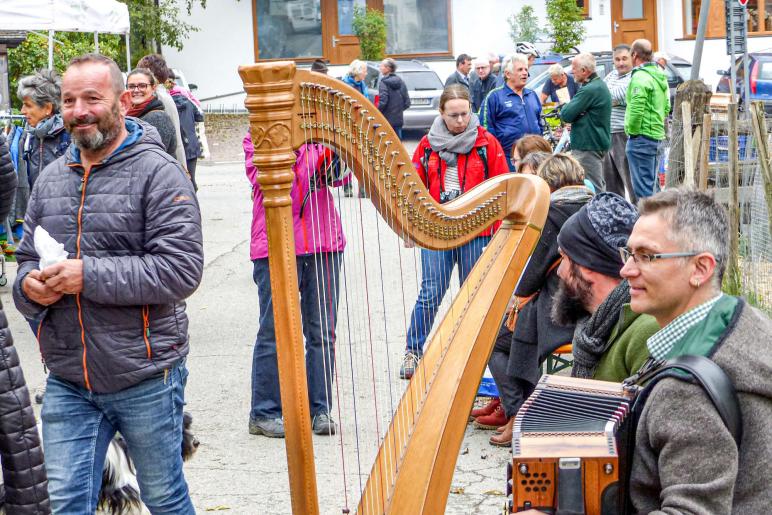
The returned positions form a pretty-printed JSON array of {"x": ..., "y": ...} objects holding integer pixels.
[
  {"x": 134, "y": 221},
  {"x": 686, "y": 461}
]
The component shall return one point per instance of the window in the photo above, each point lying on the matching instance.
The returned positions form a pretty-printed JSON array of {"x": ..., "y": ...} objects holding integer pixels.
[
  {"x": 416, "y": 26},
  {"x": 584, "y": 5},
  {"x": 759, "y": 17},
  {"x": 289, "y": 28}
]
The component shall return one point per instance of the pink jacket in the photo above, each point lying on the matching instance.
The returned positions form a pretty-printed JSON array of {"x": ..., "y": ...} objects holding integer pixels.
[{"x": 316, "y": 221}]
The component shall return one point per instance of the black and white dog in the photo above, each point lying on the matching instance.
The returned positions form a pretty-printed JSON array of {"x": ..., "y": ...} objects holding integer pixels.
[{"x": 119, "y": 494}]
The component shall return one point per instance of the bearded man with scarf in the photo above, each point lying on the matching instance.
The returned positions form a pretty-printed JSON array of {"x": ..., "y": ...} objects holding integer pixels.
[
  {"x": 456, "y": 155},
  {"x": 609, "y": 341}
]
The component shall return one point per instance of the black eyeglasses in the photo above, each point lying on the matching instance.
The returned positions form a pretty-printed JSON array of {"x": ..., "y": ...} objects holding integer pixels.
[
  {"x": 142, "y": 86},
  {"x": 639, "y": 257}
]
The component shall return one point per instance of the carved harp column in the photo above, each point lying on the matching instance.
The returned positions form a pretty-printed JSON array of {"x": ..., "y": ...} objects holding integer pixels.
[{"x": 270, "y": 101}]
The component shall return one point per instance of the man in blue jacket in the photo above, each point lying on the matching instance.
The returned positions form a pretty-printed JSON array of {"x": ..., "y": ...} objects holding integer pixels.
[
  {"x": 512, "y": 110},
  {"x": 113, "y": 328}
]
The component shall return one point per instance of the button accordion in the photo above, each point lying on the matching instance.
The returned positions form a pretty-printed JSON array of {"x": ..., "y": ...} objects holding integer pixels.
[{"x": 568, "y": 447}]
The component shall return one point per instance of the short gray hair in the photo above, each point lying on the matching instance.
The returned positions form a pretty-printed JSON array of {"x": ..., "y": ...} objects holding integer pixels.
[
  {"x": 586, "y": 60},
  {"x": 356, "y": 67},
  {"x": 390, "y": 63},
  {"x": 516, "y": 58},
  {"x": 696, "y": 222},
  {"x": 480, "y": 61},
  {"x": 556, "y": 70},
  {"x": 44, "y": 87}
]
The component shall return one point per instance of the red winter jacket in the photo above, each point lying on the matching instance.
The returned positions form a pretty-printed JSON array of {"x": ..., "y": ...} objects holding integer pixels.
[{"x": 471, "y": 170}]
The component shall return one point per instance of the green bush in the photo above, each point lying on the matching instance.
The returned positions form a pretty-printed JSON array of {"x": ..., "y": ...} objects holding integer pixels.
[
  {"x": 524, "y": 26},
  {"x": 369, "y": 25},
  {"x": 564, "y": 24}
]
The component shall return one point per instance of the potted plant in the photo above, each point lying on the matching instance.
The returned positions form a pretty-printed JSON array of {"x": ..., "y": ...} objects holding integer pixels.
[{"x": 369, "y": 25}]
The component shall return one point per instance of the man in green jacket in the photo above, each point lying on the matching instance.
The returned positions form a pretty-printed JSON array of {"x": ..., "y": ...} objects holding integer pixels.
[
  {"x": 648, "y": 103},
  {"x": 589, "y": 113},
  {"x": 609, "y": 342}
]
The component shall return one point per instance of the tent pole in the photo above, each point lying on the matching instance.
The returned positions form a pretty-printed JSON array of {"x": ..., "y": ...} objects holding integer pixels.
[
  {"x": 50, "y": 49},
  {"x": 96, "y": 42},
  {"x": 128, "y": 54}
]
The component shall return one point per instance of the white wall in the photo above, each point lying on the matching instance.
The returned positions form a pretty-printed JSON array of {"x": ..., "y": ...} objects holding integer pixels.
[
  {"x": 210, "y": 58},
  {"x": 481, "y": 26}
]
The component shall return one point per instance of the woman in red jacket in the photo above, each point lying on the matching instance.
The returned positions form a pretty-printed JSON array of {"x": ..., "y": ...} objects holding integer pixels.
[{"x": 456, "y": 155}]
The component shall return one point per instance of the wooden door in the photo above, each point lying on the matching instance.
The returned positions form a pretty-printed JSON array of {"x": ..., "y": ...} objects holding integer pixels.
[
  {"x": 634, "y": 19},
  {"x": 341, "y": 46}
]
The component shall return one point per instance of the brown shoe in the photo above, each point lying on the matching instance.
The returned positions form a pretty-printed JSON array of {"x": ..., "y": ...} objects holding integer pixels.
[
  {"x": 485, "y": 410},
  {"x": 492, "y": 421},
  {"x": 504, "y": 439}
]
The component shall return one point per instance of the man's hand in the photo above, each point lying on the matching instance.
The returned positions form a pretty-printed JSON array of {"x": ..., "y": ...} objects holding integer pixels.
[
  {"x": 65, "y": 276},
  {"x": 37, "y": 291}
]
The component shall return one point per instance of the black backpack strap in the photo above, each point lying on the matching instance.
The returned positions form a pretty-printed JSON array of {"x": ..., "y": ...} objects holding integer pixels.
[
  {"x": 425, "y": 160},
  {"x": 483, "y": 153},
  {"x": 713, "y": 380}
]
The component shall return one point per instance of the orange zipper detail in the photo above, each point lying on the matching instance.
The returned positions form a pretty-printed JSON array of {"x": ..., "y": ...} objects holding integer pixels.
[
  {"x": 146, "y": 329},
  {"x": 84, "y": 182}
]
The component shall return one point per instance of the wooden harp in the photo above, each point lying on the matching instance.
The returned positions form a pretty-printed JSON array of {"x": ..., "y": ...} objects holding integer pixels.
[{"x": 417, "y": 455}]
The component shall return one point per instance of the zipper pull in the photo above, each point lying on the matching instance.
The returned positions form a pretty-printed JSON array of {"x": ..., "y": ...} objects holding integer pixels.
[{"x": 80, "y": 186}]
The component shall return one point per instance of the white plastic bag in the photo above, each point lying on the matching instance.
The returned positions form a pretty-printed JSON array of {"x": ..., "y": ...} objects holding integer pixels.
[{"x": 49, "y": 250}]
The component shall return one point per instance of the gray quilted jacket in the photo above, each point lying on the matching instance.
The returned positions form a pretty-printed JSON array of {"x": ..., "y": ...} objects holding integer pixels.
[{"x": 134, "y": 221}]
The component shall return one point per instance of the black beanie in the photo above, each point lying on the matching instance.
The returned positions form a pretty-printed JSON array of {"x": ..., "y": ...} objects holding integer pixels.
[{"x": 592, "y": 236}]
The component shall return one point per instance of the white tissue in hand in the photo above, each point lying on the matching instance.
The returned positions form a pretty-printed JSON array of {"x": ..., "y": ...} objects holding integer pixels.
[{"x": 49, "y": 250}]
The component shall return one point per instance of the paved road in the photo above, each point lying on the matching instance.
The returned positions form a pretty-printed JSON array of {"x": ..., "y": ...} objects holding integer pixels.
[{"x": 242, "y": 474}]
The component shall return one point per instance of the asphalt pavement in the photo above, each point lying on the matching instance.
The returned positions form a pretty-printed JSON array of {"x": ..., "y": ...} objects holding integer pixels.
[{"x": 234, "y": 472}]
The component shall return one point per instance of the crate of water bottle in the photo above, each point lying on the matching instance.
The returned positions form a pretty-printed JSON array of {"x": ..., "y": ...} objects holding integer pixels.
[{"x": 719, "y": 148}]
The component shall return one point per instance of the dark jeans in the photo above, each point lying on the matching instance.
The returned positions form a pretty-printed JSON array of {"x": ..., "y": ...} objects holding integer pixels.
[
  {"x": 191, "y": 164},
  {"x": 592, "y": 162},
  {"x": 615, "y": 169},
  {"x": 436, "y": 269},
  {"x": 319, "y": 288},
  {"x": 512, "y": 391},
  {"x": 642, "y": 159},
  {"x": 510, "y": 164},
  {"x": 78, "y": 426}
]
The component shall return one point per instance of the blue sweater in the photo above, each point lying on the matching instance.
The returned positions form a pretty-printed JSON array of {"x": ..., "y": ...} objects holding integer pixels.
[{"x": 509, "y": 117}]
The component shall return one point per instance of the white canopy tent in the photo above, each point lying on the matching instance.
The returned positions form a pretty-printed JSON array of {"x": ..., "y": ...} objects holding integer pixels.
[{"x": 105, "y": 16}]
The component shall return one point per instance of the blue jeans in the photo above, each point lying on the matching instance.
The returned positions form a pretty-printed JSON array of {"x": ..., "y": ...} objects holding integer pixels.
[
  {"x": 319, "y": 288},
  {"x": 642, "y": 160},
  {"x": 508, "y": 155},
  {"x": 436, "y": 269},
  {"x": 78, "y": 426}
]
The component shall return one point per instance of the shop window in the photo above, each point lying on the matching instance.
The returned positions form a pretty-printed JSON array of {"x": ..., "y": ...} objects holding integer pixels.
[
  {"x": 416, "y": 26},
  {"x": 289, "y": 28}
]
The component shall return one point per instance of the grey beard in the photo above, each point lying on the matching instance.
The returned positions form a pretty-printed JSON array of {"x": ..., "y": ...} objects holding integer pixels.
[{"x": 98, "y": 140}]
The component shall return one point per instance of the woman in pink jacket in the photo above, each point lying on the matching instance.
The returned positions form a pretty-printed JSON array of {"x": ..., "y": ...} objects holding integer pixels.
[{"x": 319, "y": 245}]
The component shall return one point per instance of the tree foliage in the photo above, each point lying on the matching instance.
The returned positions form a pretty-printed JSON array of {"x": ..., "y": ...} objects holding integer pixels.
[
  {"x": 369, "y": 25},
  {"x": 565, "y": 24},
  {"x": 524, "y": 26},
  {"x": 153, "y": 23}
]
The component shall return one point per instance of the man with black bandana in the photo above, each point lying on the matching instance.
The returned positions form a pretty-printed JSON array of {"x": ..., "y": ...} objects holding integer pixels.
[{"x": 609, "y": 342}]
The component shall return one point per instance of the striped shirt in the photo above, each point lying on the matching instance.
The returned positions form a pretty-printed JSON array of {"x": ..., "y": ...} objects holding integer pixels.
[
  {"x": 451, "y": 179},
  {"x": 617, "y": 86},
  {"x": 661, "y": 343}
]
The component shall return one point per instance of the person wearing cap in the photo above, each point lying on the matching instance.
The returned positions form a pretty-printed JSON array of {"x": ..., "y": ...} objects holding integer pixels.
[
  {"x": 609, "y": 341},
  {"x": 319, "y": 66}
]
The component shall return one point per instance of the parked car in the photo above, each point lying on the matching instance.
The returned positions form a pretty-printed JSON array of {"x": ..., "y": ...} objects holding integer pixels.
[
  {"x": 424, "y": 87},
  {"x": 760, "y": 70},
  {"x": 676, "y": 70}
]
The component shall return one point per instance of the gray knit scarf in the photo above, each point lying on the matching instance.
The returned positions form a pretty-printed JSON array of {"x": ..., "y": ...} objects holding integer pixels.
[
  {"x": 449, "y": 145},
  {"x": 591, "y": 337}
]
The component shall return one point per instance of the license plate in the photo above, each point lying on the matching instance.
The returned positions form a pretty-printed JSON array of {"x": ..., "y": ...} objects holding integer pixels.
[{"x": 420, "y": 101}]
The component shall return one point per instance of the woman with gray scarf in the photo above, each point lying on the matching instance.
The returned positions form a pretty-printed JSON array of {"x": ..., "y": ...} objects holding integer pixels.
[{"x": 456, "y": 155}]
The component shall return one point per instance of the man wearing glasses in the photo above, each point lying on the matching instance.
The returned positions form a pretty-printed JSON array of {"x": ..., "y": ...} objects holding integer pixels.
[
  {"x": 609, "y": 342},
  {"x": 685, "y": 458},
  {"x": 481, "y": 82}
]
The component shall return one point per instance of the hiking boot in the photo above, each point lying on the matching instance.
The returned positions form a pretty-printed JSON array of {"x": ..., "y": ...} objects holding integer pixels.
[
  {"x": 270, "y": 427},
  {"x": 485, "y": 410},
  {"x": 492, "y": 421},
  {"x": 409, "y": 364},
  {"x": 323, "y": 424},
  {"x": 504, "y": 439}
]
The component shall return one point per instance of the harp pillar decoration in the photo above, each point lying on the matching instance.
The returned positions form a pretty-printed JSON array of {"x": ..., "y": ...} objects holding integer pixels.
[{"x": 270, "y": 101}]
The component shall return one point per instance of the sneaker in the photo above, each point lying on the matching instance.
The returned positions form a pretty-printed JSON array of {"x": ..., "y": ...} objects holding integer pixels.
[
  {"x": 409, "y": 363},
  {"x": 492, "y": 421},
  {"x": 270, "y": 427},
  {"x": 485, "y": 410},
  {"x": 323, "y": 424}
]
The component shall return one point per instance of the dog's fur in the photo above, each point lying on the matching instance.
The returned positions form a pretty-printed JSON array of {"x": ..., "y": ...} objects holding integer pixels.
[{"x": 119, "y": 494}]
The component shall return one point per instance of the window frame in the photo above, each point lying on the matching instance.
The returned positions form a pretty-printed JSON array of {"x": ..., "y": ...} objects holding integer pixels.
[
  {"x": 716, "y": 24},
  {"x": 585, "y": 9}
]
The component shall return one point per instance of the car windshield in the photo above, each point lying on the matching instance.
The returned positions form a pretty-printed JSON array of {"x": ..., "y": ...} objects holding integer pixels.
[{"x": 421, "y": 80}]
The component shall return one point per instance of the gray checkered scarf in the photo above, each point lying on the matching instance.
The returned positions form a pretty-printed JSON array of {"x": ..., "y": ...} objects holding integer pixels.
[{"x": 591, "y": 337}]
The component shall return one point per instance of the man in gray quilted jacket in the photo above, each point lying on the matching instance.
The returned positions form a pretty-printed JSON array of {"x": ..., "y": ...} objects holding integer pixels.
[{"x": 114, "y": 333}]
